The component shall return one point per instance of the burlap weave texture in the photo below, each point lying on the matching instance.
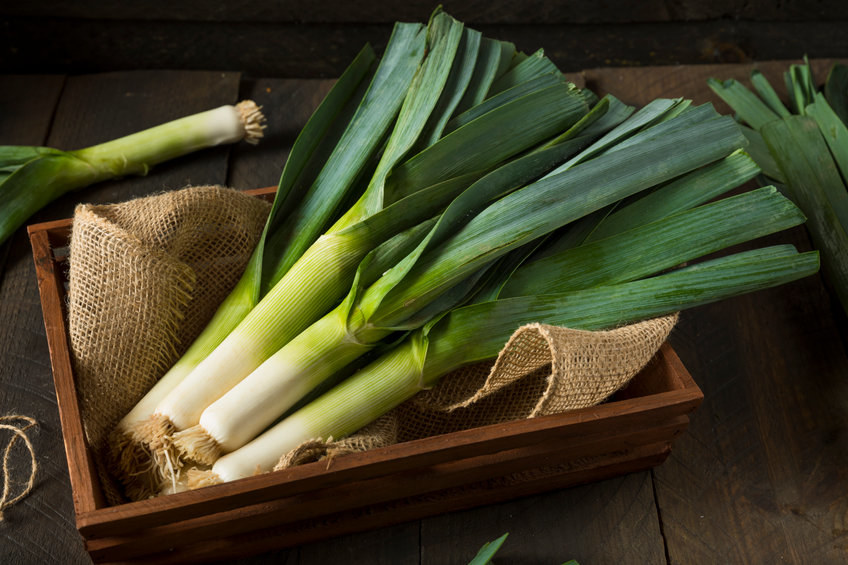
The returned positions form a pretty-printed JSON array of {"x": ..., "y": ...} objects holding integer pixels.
[{"x": 144, "y": 278}]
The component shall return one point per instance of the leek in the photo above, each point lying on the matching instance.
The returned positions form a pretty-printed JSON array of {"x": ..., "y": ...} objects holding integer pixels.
[{"x": 32, "y": 177}]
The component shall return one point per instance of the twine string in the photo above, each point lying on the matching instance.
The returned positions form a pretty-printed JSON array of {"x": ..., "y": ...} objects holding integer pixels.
[{"x": 19, "y": 433}]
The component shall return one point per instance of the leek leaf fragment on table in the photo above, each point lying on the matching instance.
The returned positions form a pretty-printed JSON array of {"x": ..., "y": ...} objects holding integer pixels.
[{"x": 804, "y": 151}]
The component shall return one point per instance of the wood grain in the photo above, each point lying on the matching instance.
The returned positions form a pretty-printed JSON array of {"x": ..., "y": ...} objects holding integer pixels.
[
  {"x": 86, "y": 489},
  {"x": 40, "y": 528},
  {"x": 91, "y": 109},
  {"x": 289, "y": 50},
  {"x": 761, "y": 475},
  {"x": 577, "y": 464},
  {"x": 639, "y": 86},
  {"x": 473, "y": 11},
  {"x": 612, "y": 521},
  {"x": 27, "y": 103}
]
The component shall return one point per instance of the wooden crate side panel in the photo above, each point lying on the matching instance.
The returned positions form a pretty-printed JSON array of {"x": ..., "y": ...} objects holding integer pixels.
[
  {"x": 556, "y": 474},
  {"x": 86, "y": 488},
  {"x": 609, "y": 418},
  {"x": 361, "y": 494},
  {"x": 438, "y": 490}
]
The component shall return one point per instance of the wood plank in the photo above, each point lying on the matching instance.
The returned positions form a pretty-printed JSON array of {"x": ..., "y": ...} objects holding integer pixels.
[
  {"x": 474, "y": 11},
  {"x": 398, "y": 545},
  {"x": 639, "y": 86},
  {"x": 324, "y": 50},
  {"x": 287, "y": 105},
  {"x": 611, "y": 521},
  {"x": 559, "y": 470},
  {"x": 762, "y": 474},
  {"x": 91, "y": 109},
  {"x": 40, "y": 528},
  {"x": 341, "y": 12},
  {"x": 81, "y": 467},
  {"x": 594, "y": 451},
  {"x": 28, "y": 102}
]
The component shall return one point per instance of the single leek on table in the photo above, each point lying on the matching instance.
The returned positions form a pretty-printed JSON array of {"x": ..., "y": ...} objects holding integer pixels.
[{"x": 32, "y": 177}]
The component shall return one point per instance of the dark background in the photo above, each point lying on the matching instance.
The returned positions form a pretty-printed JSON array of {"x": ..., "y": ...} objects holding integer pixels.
[{"x": 309, "y": 38}]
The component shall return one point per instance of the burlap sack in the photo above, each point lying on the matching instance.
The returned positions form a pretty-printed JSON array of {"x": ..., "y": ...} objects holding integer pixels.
[
  {"x": 145, "y": 277},
  {"x": 541, "y": 370}
]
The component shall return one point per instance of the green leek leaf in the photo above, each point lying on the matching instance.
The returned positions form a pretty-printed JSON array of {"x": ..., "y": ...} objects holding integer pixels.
[
  {"x": 654, "y": 246},
  {"x": 834, "y": 132},
  {"x": 533, "y": 66},
  {"x": 836, "y": 90},
  {"x": 747, "y": 106},
  {"x": 816, "y": 186},
  {"x": 768, "y": 94}
]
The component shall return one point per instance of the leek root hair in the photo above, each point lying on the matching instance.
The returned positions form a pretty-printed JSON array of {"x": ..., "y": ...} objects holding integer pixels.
[
  {"x": 252, "y": 120},
  {"x": 196, "y": 444},
  {"x": 202, "y": 478}
]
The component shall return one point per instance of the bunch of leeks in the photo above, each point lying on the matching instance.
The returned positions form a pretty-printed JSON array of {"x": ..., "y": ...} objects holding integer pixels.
[
  {"x": 471, "y": 233},
  {"x": 622, "y": 290},
  {"x": 487, "y": 157},
  {"x": 392, "y": 155},
  {"x": 804, "y": 148}
]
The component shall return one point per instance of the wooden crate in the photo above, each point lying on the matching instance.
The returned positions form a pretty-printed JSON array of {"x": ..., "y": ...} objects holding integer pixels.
[{"x": 361, "y": 491}]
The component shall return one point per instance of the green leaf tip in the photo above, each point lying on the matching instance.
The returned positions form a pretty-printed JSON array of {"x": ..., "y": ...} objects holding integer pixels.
[{"x": 485, "y": 554}]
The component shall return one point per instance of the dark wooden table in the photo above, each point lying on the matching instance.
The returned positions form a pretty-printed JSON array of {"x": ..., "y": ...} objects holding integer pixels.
[{"x": 761, "y": 476}]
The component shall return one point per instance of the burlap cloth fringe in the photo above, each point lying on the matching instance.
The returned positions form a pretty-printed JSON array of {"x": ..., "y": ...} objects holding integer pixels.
[
  {"x": 541, "y": 370},
  {"x": 145, "y": 277}
]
